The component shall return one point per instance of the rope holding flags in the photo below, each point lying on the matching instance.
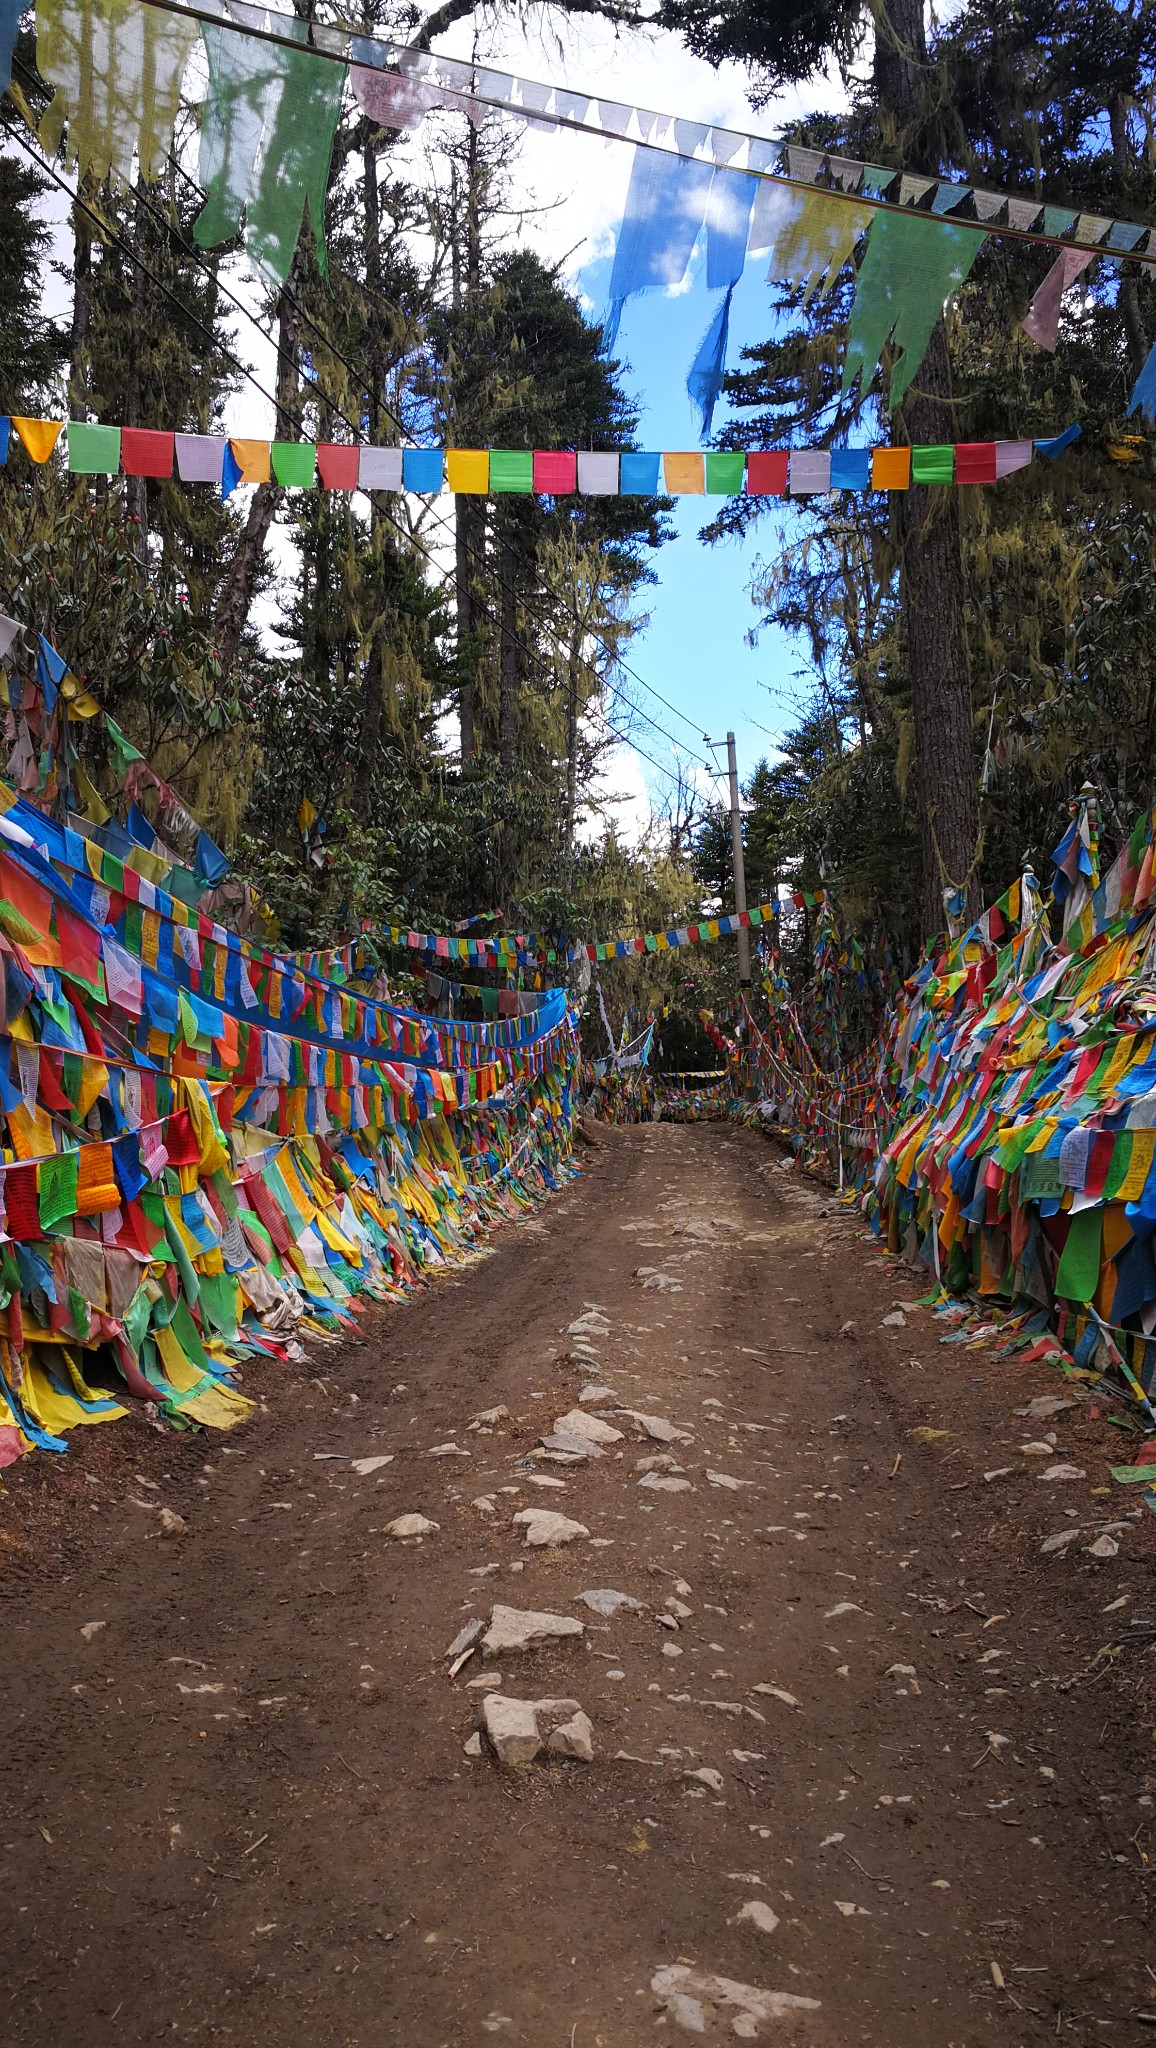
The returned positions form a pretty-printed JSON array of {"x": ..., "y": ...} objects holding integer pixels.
[{"x": 226, "y": 463}]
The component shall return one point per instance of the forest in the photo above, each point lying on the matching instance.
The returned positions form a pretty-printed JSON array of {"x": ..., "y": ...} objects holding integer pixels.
[{"x": 383, "y": 713}]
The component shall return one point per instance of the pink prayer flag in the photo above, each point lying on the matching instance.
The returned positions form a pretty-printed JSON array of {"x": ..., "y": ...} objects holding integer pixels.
[
  {"x": 554, "y": 472},
  {"x": 1042, "y": 321}
]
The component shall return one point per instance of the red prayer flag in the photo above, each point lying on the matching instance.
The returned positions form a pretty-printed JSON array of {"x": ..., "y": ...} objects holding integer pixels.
[
  {"x": 338, "y": 465},
  {"x": 975, "y": 462},
  {"x": 555, "y": 472},
  {"x": 767, "y": 472},
  {"x": 145, "y": 452}
]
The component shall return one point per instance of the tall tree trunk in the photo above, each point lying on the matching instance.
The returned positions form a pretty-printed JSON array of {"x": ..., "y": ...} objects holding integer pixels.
[
  {"x": 373, "y": 697},
  {"x": 927, "y": 523},
  {"x": 136, "y": 487},
  {"x": 1123, "y": 164},
  {"x": 82, "y": 290},
  {"x": 572, "y": 745},
  {"x": 240, "y": 584},
  {"x": 469, "y": 514},
  {"x": 469, "y": 539},
  {"x": 507, "y": 654}
]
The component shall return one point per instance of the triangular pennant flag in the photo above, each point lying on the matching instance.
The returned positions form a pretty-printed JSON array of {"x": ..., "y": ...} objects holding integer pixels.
[
  {"x": 912, "y": 265},
  {"x": 1042, "y": 320},
  {"x": 267, "y": 132},
  {"x": 804, "y": 163},
  {"x": 913, "y": 190},
  {"x": 815, "y": 244}
]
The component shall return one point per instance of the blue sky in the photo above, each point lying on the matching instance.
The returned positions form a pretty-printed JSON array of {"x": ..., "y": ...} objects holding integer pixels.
[{"x": 695, "y": 648}]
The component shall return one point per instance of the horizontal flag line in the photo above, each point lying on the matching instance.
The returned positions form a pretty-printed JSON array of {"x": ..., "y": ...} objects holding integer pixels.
[
  {"x": 224, "y": 462},
  {"x": 335, "y": 44}
]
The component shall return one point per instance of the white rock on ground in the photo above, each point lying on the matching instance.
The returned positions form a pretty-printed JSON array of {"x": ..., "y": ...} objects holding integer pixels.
[
  {"x": 659, "y": 1482},
  {"x": 576, "y": 1422},
  {"x": 605, "y": 1601},
  {"x": 705, "y": 1776},
  {"x": 759, "y": 1915},
  {"x": 514, "y": 1629},
  {"x": 404, "y": 1526},
  {"x": 544, "y": 1529},
  {"x": 574, "y": 1738},
  {"x": 657, "y": 1426},
  {"x": 512, "y": 1728},
  {"x": 364, "y": 1466},
  {"x": 516, "y": 1729},
  {"x": 571, "y": 1445},
  {"x": 702, "y": 2003}
]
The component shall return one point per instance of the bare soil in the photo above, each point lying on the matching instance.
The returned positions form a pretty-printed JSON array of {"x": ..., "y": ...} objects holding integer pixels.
[{"x": 241, "y": 1810}]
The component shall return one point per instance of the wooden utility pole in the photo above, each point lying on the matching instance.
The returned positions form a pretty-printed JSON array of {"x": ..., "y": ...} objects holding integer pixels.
[{"x": 740, "y": 875}]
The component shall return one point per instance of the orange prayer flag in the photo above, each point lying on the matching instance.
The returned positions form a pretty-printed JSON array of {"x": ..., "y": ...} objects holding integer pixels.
[
  {"x": 684, "y": 474},
  {"x": 253, "y": 461},
  {"x": 891, "y": 469}
]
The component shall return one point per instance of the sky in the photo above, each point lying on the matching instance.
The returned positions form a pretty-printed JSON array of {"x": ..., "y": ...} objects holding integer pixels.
[{"x": 695, "y": 649}]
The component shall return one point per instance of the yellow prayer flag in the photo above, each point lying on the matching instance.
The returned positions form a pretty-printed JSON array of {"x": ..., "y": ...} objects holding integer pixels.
[
  {"x": 685, "y": 474},
  {"x": 253, "y": 461},
  {"x": 38, "y": 436},
  {"x": 306, "y": 816},
  {"x": 92, "y": 803},
  {"x": 468, "y": 471}
]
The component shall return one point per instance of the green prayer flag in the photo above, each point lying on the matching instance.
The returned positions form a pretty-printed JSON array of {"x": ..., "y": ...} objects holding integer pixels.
[
  {"x": 56, "y": 1184},
  {"x": 93, "y": 451},
  {"x": 912, "y": 265},
  {"x": 1121, "y": 1161},
  {"x": 135, "y": 1319},
  {"x": 725, "y": 472},
  {"x": 124, "y": 750},
  {"x": 185, "y": 886},
  {"x": 1079, "y": 1268},
  {"x": 933, "y": 465},
  {"x": 294, "y": 463},
  {"x": 511, "y": 469},
  {"x": 79, "y": 1316},
  {"x": 267, "y": 131},
  {"x": 219, "y": 1303}
]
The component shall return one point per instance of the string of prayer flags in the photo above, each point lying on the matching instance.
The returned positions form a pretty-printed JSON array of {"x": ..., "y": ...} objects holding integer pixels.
[
  {"x": 327, "y": 1145},
  {"x": 98, "y": 450}
]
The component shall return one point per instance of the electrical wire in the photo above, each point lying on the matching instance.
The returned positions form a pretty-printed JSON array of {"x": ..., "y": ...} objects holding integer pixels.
[
  {"x": 406, "y": 534},
  {"x": 358, "y": 372}
]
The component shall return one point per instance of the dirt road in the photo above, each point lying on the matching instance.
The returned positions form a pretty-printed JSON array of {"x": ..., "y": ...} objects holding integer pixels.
[{"x": 861, "y": 1744}]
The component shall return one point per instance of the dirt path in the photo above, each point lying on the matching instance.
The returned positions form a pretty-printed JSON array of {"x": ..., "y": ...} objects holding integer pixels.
[{"x": 241, "y": 1809}]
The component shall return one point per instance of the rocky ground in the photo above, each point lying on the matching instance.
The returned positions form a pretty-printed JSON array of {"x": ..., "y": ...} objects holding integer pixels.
[{"x": 639, "y": 1637}]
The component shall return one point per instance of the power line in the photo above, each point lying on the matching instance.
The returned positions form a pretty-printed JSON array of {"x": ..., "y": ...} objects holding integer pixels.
[
  {"x": 406, "y": 532},
  {"x": 358, "y": 371}
]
